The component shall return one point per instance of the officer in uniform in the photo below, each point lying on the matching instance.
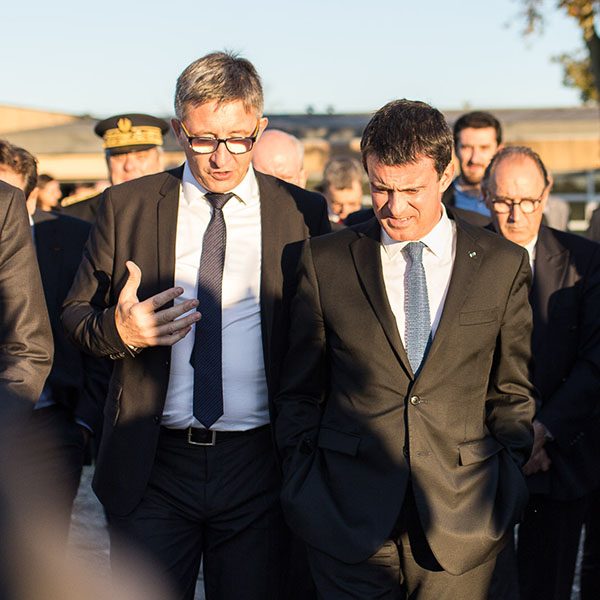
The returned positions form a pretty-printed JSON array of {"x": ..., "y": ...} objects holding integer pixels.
[{"x": 132, "y": 145}]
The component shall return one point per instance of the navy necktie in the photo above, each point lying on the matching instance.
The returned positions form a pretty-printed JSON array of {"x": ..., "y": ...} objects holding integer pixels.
[
  {"x": 416, "y": 306},
  {"x": 206, "y": 355}
]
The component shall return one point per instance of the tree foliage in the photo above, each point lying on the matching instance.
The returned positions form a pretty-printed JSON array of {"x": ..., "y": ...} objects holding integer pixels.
[{"x": 581, "y": 69}]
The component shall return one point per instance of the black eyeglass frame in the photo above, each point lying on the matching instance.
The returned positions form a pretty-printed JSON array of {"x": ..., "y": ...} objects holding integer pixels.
[{"x": 218, "y": 141}]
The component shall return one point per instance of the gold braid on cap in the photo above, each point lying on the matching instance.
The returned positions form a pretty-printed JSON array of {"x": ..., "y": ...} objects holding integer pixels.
[{"x": 126, "y": 134}]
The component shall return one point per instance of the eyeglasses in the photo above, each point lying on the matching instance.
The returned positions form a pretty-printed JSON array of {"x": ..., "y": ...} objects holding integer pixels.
[
  {"x": 236, "y": 145},
  {"x": 505, "y": 205}
]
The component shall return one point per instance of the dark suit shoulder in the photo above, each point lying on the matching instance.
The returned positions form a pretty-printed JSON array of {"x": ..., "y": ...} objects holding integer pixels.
[
  {"x": 303, "y": 198},
  {"x": 137, "y": 189},
  {"x": 64, "y": 221},
  {"x": 85, "y": 209},
  {"x": 573, "y": 241},
  {"x": 582, "y": 252}
]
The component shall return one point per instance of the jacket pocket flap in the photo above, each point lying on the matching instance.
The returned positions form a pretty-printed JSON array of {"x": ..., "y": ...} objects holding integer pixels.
[
  {"x": 478, "y": 450},
  {"x": 478, "y": 316},
  {"x": 330, "y": 439}
]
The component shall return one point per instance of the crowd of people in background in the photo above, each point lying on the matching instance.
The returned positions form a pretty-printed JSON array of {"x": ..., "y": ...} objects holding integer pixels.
[{"x": 386, "y": 387}]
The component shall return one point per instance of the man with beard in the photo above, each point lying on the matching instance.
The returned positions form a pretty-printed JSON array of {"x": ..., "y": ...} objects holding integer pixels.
[{"x": 477, "y": 137}]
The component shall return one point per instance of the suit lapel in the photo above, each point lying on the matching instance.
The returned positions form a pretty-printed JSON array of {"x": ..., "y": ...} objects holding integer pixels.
[
  {"x": 366, "y": 253},
  {"x": 551, "y": 262},
  {"x": 467, "y": 261},
  {"x": 167, "y": 209}
]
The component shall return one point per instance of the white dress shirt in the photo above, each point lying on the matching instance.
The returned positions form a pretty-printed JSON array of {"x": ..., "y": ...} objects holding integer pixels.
[
  {"x": 438, "y": 261},
  {"x": 531, "y": 250},
  {"x": 245, "y": 403}
]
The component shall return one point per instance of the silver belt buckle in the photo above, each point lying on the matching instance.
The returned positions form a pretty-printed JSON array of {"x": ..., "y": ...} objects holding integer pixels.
[{"x": 212, "y": 442}]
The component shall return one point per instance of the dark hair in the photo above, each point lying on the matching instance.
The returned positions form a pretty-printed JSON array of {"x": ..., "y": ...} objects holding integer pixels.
[
  {"x": 508, "y": 152},
  {"x": 21, "y": 162},
  {"x": 477, "y": 120},
  {"x": 43, "y": 180},
  {"x": 404, "y": 131},
  {"x": 220, "y": 76}
]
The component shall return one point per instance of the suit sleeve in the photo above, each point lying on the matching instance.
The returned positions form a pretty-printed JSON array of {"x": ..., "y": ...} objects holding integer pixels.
[
  {"x": 577, "y": 399},
  {"x": 26, "y": 345},
  {"x": 89, "y": 309},
  {"x": 303, "y": 378},
  {"x": 510, "y": 401}
]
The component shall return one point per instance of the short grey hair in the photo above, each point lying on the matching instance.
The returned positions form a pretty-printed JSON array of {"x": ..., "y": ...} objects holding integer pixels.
[
  {"x": 509, "y": 152},
  {"x": 341, "y": 171},
  {"x": 221, "y": 76}
]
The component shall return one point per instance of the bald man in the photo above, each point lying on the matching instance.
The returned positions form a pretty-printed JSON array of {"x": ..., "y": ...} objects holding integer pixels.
[{"x": 280, "y": 154}]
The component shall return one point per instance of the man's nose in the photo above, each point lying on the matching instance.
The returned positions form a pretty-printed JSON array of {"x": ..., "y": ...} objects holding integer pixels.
[
  {"x": 221, "y": 156},
  {"x": 396, "y": 204}
]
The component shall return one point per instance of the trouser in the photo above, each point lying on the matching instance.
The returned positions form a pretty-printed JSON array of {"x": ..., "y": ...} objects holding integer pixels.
[
  {"x": 59, "y": 453},
  {"x": 590, "y": 567},
  {"x": 404, "y": 568},
  {"x": 217, "y": 503},
  {"x": 548, "y": 541}
]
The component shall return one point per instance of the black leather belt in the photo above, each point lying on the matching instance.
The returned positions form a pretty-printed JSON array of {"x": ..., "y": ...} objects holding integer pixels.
[{"x": 207, "y": 437}]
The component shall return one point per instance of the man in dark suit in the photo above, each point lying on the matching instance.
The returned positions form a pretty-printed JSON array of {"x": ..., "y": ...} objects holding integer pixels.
[
  {"x": 404, "y": 413},
  {"x": 186, "y": 466},
  {"x": 565, "y": 297},
  {"x": 69, "y": 408},
  {"x": 25, "y": 336},
  {"x": 25, "y": 359},
  {"x": 133, "y": 148}
]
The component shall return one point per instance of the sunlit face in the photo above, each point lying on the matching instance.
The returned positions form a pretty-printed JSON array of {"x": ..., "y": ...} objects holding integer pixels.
[
  {"x": 220, "y": 171},
  {"x": 345, "y": 201},
  {"x": 514, "y": 179},
  {"x": 474, "y": 150},
  {"x": 49, "y": 195},
  {"x": 407, "y": 199},
  {"x": 131, "y": 165}
]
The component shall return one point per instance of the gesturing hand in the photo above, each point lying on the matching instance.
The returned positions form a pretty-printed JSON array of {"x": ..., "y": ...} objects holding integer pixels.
[{"x": 137, "y": 322}]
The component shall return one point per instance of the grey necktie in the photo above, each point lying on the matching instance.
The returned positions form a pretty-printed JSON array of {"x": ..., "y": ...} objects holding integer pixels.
[
  {"x": 206, "y": 355},
  {"x": 416, "y": 306}
]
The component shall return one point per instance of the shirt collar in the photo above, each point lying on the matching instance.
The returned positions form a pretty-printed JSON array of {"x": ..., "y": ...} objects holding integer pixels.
[
  {"x": 437, "y": 240},
  {"x": 245, "y": 192},
  {"x": 530, "y": 247}
]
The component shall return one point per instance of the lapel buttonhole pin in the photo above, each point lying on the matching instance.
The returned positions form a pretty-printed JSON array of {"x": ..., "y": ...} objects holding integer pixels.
[{"x": 472, "y": 254}]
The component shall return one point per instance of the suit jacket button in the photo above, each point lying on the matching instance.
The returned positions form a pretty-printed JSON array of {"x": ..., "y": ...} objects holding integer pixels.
[
  {"x": 414, "y": 400},
  {"x": 306, "y": 446},
  {"x": 156, "y": 419}
]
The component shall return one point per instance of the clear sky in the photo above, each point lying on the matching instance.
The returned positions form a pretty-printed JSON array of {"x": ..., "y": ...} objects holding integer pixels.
[{"x": 117, "y": 56}]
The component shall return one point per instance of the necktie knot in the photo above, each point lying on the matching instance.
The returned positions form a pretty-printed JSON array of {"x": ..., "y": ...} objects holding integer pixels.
[
  {"x": 414, "y": 250},
  {"x": 218, "y": 200}
]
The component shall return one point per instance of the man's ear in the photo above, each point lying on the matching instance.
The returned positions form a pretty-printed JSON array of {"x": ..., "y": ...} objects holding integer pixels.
[
  {"x": 176, "y": 126},
  {"x": 32, "y": 200},
  {"x": 447, "y": 177},
  {"x": 262, "y": 125}
]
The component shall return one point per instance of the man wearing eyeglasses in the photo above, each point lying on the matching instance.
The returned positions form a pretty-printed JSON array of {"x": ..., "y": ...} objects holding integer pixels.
[
  {"x": 565, "y": 297},
  {"x": 183, "y": 285}
]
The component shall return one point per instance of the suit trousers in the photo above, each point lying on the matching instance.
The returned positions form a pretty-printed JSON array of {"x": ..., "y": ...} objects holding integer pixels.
[
  {"x": 217, "y": 503},
  {"x": 59, "y": 454},
  {"x": 548, "y": 541},
  {"x": 404, "y": 568},
  {"x": 590, "y": 567}
]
